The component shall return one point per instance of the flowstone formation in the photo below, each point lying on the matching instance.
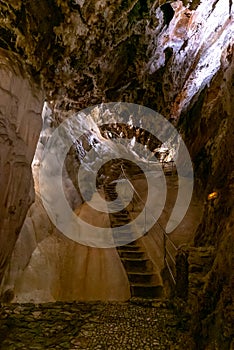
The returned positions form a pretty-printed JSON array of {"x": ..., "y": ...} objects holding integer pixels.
[{"x": 20, "y": 121}]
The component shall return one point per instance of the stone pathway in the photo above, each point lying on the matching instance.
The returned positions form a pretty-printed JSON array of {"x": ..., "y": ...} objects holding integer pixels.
[{"x": 107, "y": 326}]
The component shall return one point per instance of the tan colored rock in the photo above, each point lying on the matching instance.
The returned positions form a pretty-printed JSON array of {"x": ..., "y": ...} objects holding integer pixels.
[
  {"x": 20, "y": 124},
  {"x": 46, "y": 266}
]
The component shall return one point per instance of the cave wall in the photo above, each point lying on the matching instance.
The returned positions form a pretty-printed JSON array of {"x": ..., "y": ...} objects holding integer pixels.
[
  {"x": 167, "y": 63},
  {"x": 208, "y": 128},
  {"x": 154, "y": 53},
  {"x": 46, "y": 266},
  {"x": 20, "y": 120}
]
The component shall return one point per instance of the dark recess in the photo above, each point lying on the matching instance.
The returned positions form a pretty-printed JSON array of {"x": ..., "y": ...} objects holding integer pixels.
[{"x": 168, "y": 13}]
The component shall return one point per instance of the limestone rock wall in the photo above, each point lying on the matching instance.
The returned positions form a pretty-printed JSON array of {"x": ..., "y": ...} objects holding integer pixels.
[
  {"x": 184, "y": 53},
  {"x": 46, "y": 266},
  {"x": 20, "y": 125},
  {"x": 156, "y": 53},
  {"x": 179, "y": 63},
  {"x": 209, "y": 124}
]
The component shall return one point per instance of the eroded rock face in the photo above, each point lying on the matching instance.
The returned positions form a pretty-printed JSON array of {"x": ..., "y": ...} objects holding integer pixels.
[
  {"x": 186, "y": 53},
  {"x": 158, "y": 54},
  {"x": 210, "y": 126},
  {"x": 92, "y": 51},
  {"x": 20, "y": 118},
  {"x": 46, "y": 266}
]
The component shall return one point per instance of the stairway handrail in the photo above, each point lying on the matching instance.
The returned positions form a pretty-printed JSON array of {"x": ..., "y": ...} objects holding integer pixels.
[
  {"x": 163, "y": 230},
  {"x": 165, "y": 234}
]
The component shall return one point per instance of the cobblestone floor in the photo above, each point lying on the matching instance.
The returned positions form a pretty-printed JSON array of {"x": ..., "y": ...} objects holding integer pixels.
[{"x": 109, "y": 326}]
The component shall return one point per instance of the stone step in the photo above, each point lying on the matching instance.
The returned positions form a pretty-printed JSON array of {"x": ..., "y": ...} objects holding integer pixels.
[
  {"x": 139, "y": 268},
  {"x": 133, "y": 243},
  {"x": 120, "y": 224},
  {"x": 129, "y": 247},
  {"x": 110, "y": 185},
  {"x": 119, "y": 216},
  {"x": 124, "y": 227},
  {"x": 111, "y": 198},
  {"x": 131, "y": 254},
  {"x": 146, "y": 290},
  {"x": 111, "y": 194},
  {"x": 124, "y": 237},
  {"x": 141, "y": 277},
  {"x": 118, "y": 211},
  {"x": 140, "y": 265},
  {"x": 121, "y": 242},
  {"x": 122, "y": 231}
]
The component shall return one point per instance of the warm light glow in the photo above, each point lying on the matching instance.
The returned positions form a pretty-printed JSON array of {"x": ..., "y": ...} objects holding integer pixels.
[{"x": 212, "y": 195}]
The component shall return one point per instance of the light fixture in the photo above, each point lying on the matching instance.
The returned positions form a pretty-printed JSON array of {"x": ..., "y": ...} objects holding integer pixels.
[{"x": 212, "y": 196}]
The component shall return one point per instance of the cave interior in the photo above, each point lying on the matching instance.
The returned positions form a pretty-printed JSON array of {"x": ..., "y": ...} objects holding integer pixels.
[{"x": 117, "y": 172}]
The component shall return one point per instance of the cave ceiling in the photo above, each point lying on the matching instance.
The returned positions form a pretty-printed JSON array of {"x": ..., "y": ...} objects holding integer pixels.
[{"x": 88, "y": 52}]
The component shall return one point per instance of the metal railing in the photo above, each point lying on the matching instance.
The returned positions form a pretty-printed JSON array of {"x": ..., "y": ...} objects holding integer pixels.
[{"x": 167, "y": 255}]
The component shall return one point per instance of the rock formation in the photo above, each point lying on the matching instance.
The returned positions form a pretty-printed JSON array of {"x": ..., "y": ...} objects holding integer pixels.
[
  {"x": 20, "y": 114},
  {"x": 175, "y": 57},
  {"x": 211, "y": 147}
]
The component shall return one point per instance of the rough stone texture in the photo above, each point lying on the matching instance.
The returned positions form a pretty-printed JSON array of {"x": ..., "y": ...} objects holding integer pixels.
[
  {"x": 93, "y": 276},
  {"x": 85, "y": 42},
  {"x": 211, "y": 147},
  {"x": 87, "y": 52},
  {"x": 132, "y": 51},
  {"x": 182, "y": 272},
  {"x": 20, "y": 120},
  {"x": 185, "y": 55},
  {"x": 46, "y": 266},
  {"x": 92, "y": 326}
]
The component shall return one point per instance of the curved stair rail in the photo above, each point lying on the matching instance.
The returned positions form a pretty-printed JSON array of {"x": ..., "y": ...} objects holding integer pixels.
[
  {"x": 168, "y": 257},
  {"x": 144, "y": 280}
]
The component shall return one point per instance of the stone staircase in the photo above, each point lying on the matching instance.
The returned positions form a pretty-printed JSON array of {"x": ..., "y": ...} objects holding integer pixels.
[
  {"x": 143, "y": 279},
  {"x": 144, "y": 282}
]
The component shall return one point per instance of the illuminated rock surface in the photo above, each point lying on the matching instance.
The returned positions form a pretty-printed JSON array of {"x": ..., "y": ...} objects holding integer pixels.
[{"x": 20, "y": 120}]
